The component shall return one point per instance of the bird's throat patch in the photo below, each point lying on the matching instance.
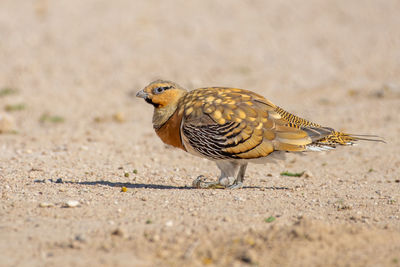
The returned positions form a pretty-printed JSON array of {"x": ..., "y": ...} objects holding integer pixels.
[{"x": 148, "y": 100}]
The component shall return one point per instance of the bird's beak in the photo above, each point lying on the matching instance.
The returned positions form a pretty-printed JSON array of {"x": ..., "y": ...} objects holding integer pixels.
[{"x": 142, "y": 94}]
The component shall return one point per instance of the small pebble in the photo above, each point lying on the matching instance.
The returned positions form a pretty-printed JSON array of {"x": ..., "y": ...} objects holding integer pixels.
[
  {"x": 155, "y": 238},
  {"x": 308, "y": 174},
  {"x": 119, "y": 117},
  {"x": 46, "y": 205},
  {"x": 226, "y": 219},
  {"x": 169, "y": 223},
  {"x": 118, "y": 232},
  {"x": 238, "y": 199},
  {"x": 71, "y": 204},
  {"x": 80, "y": 238}
]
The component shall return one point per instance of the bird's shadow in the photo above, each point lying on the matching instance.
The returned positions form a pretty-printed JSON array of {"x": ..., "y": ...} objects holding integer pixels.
[
  {"x": 159, "y": 186},
  {"x": 131, "y": 185}
]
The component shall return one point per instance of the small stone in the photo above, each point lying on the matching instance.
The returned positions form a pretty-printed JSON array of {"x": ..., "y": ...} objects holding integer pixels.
[
  {"x": 207, "y": 261},
  {"x": 80, "y": 238},
  {"x": 46, "y": 205},
  {"x": 118, "y": 232},
  {"x": 59, "y": 181},
  {"x": 226, "y": 219},
  {"x": 119, "y": 117},
  {"x": 71, "y": 204},
  {"x": 308, "y": 174},
  {"x": 99, "y": 119},
  {"x": 387, "y": 90},
  {"x": 238, "y": 198},
  {"x": 169, "y": 223},
  {"x": 155, "y": 238}
]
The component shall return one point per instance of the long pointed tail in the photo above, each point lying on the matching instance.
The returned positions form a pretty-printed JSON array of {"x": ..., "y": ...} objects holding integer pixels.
[
  {"x": 367, "y": 137},
  {"x": 339, "y": 138}
]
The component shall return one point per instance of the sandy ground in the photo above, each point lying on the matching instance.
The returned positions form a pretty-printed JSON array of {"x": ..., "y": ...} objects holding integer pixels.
[{"x": 74, "y": 134}]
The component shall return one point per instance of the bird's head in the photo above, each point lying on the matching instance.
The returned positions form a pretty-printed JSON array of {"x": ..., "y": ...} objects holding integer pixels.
[
  {"x": 161, "y": 93},
  {"x": 164, "y": 96}
]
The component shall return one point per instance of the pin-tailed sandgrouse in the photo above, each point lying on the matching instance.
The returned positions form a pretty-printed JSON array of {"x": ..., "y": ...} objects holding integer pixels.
[{"x": 233, "y": 127}]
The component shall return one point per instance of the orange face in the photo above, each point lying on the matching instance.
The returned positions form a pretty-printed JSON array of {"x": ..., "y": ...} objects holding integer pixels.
[{"x": 161, "y": 93}]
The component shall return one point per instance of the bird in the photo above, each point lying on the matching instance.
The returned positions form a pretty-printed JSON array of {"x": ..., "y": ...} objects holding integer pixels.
[{"x": 234, "y": 127}]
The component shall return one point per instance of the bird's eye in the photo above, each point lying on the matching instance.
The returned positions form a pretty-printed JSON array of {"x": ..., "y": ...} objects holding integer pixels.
[{"x": 159, "y": 90}]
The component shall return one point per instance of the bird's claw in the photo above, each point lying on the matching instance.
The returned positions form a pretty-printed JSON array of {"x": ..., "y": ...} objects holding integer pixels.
[
  {"x": 196, "y": 182},
  {"x": 236, "y": 185},
  {"x": 200, "y": 182}
]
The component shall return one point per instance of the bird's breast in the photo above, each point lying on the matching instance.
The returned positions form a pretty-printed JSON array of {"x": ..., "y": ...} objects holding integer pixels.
[{"x": 169, "y": 132}]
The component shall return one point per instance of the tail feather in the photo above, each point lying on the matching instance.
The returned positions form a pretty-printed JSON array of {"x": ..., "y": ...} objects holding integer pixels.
[
  {"x": 339, "y": 138},
  {"x": 324, "y": 138},
  {"x": 367, "y": 137}
]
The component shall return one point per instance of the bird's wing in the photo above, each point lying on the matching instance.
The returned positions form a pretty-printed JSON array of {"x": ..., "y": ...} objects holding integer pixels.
[
  {"x": 223, "y": 123},
  {"x": 314, "y": 130}
]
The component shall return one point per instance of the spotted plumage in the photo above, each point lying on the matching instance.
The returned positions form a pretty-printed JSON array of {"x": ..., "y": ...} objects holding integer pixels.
[{"x": 232, "y": 127}]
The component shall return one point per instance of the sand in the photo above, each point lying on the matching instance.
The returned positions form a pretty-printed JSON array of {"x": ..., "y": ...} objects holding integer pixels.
[{"x": 73, "y": 134}]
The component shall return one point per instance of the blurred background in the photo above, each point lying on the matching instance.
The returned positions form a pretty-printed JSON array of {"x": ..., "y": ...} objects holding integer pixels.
[{"x": 67, "y": 55}]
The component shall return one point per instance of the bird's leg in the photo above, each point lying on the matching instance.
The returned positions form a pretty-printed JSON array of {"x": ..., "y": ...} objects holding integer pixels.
[
  {"x": 238, "y": 183},
  {"x": 226, "y": 179}
]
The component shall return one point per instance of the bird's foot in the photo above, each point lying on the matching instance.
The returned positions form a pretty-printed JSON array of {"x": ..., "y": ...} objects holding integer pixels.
[
  {"x": 235, "y": 185},
  {"x": 224, "y": 182},
  {"x": 200, "y": 182}
]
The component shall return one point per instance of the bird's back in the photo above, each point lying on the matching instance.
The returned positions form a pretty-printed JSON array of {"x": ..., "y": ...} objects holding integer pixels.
[{"x": 232, "y": 123}]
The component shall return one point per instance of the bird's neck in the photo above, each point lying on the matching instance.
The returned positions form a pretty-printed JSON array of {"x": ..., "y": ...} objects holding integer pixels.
[{"x": 162, "y": 114}]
